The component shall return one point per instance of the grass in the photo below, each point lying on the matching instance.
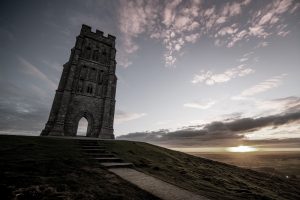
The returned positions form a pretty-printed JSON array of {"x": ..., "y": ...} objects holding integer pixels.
[
  {"x": 285, "y": 164},
  {"x": 47, "y": 168},
  {"x": 209, "y": 178}
]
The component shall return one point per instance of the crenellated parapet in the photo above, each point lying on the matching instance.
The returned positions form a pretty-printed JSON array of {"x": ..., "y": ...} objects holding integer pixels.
[{"x": 98, "y": 35}]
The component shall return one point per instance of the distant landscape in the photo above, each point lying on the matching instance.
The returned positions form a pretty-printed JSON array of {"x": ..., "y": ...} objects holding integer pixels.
[{"x": 285, "y": 164}]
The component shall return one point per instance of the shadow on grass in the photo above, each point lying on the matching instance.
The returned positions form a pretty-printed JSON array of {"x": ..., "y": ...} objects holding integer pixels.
[{"x": 48, "y": 168}]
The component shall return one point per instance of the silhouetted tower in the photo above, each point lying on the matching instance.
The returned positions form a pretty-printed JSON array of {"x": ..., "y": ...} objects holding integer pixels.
[{"x": 87, "y": 88}]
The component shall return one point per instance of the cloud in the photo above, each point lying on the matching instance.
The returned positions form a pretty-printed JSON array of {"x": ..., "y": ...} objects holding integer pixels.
[
  {"x": 134, "y": 19},
  {"x": 217, "y": 131},
  {"x": 23, "y": 108},
  {"x": 243, "y": 59},
  {"x": 122, "y": 116},
  {"x": 172, "y": 22},
  {"x": 35, "y": 72},
  {"x": 264, "y": 22},
  {"x": 54, "y": 65},
  {"x": 262, "y": 44},
  {"x": 133, "y": 22},
  {"x": 178, "y": 23},
  {"x": 192, "y": 38},
  {"x": 289, "y": 130},
  {"x": 264, "y": 86},
  {"x": 276, "y": 106},
  {"x": 24, "y": 103},
  {"x": 210, "y": 78},
  {"x": 247, "y": 57},
  {"x": 5, "y": 33},
  {"x": 200, "y": 105}
]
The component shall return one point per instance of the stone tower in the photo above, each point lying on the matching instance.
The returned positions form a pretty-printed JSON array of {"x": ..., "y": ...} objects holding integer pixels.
[{"x": 87, "y": 88}]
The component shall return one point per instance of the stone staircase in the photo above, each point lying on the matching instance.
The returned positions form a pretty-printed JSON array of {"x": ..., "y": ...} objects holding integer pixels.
[{"x": 99, "y": 153}]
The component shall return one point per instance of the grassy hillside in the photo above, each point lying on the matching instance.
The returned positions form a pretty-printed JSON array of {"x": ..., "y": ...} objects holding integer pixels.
[
  {"x": 49, "y": 168},
  {"x": 38, "y": 168},
  {"x": 206, "y": 177}
]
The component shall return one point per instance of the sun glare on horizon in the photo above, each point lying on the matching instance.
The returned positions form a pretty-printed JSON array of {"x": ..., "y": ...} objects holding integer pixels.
[{"x": 242, "y": 149}]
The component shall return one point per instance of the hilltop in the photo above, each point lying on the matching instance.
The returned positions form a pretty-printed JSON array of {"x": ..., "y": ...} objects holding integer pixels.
[
  {"x": 54, "y": 168},
  {"x": 38, "y": 168}
]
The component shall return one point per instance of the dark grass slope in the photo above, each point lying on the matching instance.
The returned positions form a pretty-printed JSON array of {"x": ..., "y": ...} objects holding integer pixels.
[
  {"x": 49, "y": 168},
  {"x": 209, "y": 178},
  {"x": 38, "y": 168}
]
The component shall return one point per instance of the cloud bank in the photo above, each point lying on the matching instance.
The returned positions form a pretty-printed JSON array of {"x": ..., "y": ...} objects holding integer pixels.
[{"x": 222, "y": 132}]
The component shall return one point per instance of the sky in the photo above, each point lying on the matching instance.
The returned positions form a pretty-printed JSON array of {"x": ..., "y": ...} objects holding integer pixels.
[{"x": 190, "y": 73}]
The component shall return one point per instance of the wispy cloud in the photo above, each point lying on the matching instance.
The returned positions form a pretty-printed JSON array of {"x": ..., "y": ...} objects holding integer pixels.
[
  {"x": 53, "y": 65},
  {"x": 200, "y": 105},
  {"x": 35, "y": 72},
  {"x": 265, "y": 22},
  {"x": 122, "y": 116},
  {"x": 179, "y": 23},
  {"x": 262, "y": 44},
  {"x": 172, "y": 22},
  {"x": 135, "y": 18},
  {"x": 275, "y": 106},
  {"x": 264, "y": 86},
  {"x": 210, "y": 78},
  {"x": 22, "y": 107},
  {"x": 246, "y": 57},
  {"x": 5, "y": 33}
]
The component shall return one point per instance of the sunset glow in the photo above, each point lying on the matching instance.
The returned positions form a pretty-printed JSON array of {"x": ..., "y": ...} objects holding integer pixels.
[{"x": 242, "y": 149}]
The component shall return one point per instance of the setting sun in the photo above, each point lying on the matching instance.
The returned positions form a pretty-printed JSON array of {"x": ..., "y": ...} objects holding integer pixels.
[{"x": 242, "y": 149}]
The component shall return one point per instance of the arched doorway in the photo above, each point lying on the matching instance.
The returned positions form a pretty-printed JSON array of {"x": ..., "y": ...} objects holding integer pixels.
[{"x": 82, "y": 127}]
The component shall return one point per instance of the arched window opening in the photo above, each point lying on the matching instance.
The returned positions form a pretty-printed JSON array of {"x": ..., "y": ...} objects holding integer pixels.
[
  {"x": 80, "y": 86},
  {"x": 88, "y": 52},
  {"x": 83, "y": 72},
  {"x": 89, "y": 89},
  {"x": 96, "y": 55},
  {"x": 92, "y": 74},
  {"x": 82, "y": 127},
  {"x": 100, "y": 77}
]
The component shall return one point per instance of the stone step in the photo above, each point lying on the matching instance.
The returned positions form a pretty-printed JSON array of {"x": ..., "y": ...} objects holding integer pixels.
[
  {"x": 91, "y": 146},
  {"x": 116, "y": 165},
  {"x": 91, "y": 150},
  {"x": 103, "y": 159},
  {"x": 88, "y": 142},
  {"x": 105, "y": 155},
  {"x": 95, "y": 150}
]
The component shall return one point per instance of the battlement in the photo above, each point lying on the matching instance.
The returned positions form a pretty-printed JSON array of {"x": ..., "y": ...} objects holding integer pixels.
[{"x": 98, "y": 35}]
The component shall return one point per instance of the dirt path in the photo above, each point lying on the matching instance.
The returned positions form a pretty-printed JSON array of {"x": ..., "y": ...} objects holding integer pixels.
[{"x": 155, "y": 186}]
